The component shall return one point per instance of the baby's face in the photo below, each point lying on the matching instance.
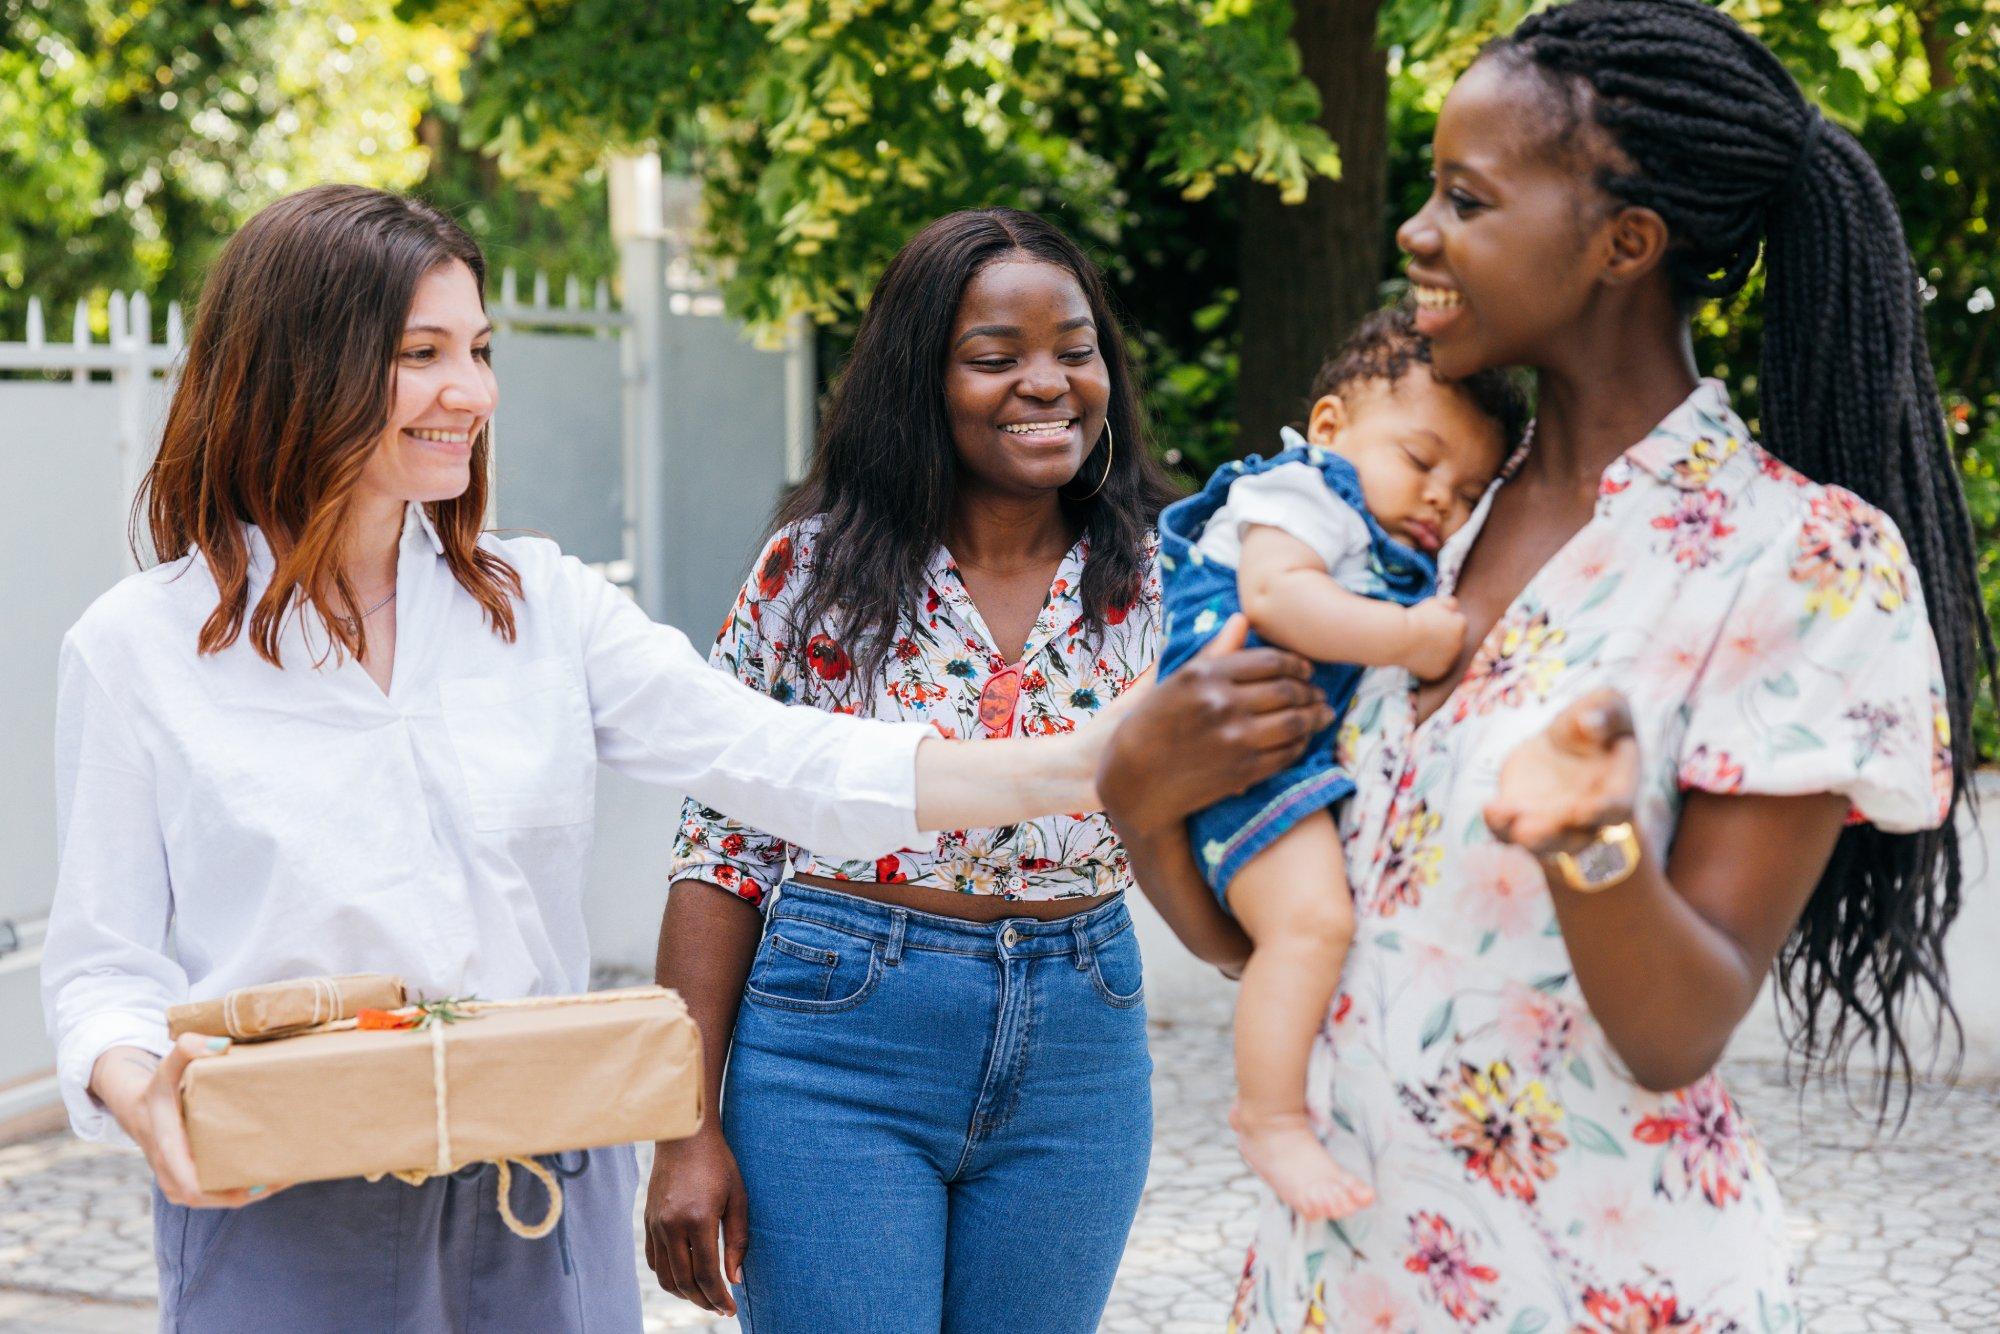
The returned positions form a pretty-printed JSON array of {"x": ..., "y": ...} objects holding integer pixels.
[{"x": 1425, "y": 454}]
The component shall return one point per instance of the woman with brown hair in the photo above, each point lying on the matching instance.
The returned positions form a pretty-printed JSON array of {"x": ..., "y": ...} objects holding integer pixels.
[{"x": 339, "y": 729}]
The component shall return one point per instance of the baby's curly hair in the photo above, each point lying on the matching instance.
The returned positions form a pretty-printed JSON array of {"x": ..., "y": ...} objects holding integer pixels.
[{"x": 1386, "y": 344}]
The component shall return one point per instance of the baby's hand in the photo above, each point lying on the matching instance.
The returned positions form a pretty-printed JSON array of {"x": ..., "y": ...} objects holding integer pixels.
[{"x": 1437, "y": 633}]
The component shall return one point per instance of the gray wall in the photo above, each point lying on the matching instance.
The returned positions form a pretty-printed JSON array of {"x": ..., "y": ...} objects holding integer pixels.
[
  {"x": 723, "y": 416},
  {"x": 559, "y": 454},
  {"x": 61, "y": 544}
]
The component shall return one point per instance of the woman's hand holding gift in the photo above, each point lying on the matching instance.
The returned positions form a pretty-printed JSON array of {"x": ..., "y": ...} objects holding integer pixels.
[{"x": 143, "y": 1094}]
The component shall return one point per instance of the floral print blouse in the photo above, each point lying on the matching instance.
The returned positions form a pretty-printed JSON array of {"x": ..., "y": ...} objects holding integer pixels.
[
  {"x": 941, "y": 659},
  {"x": 1771, "y": 636}
]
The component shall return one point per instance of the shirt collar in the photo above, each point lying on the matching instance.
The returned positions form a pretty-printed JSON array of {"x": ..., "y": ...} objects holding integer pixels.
[
  {"x": 1695, "y": 442},
  {"x": 418, "y": 517},
  {"x": 1057, "y": 612}
]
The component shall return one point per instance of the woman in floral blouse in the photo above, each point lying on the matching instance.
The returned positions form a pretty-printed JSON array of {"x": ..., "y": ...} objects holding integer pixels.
[
  {"x": 937, "y": 1113},
  {"x": 1759, "y": 661}
]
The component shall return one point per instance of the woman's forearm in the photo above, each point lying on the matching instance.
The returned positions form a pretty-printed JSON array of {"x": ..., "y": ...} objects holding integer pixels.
[
  {"x": 982, "y": 784},
  {"x": 708, "y": 937},
  {"x": 1667, "y": 987},
  {"x": 1163, "y": 864}
]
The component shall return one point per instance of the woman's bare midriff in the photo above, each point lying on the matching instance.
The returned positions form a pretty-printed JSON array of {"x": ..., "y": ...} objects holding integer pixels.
[{"x": 965, "y": 907}]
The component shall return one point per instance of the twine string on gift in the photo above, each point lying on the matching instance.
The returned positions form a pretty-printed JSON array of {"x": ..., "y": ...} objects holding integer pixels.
[
  {"x": 444, "y": 1165},
  {"x": 327, "y": 1005}
]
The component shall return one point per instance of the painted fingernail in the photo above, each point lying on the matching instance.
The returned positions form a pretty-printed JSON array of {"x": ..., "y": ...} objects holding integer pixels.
[
  {"x": 218, "y": 1044},
  {"x": 255, "y": 1191}
]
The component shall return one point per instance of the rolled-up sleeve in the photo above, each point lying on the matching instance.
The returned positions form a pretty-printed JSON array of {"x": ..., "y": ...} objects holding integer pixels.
[
  {"x": 107, "y": 979},
  {"x": 841, "y": 785},
  {"x": 1826, "y": 678},
  {"x": 709, "y": 845}
]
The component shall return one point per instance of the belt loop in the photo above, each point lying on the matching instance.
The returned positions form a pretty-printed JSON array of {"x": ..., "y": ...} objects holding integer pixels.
[
  {"x": 1083, "y": 946},
  {"x": 898, "y": 919}
]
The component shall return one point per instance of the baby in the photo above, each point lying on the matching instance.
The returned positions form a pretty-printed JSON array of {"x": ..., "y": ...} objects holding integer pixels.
[{"x": 1329, "y": 548}]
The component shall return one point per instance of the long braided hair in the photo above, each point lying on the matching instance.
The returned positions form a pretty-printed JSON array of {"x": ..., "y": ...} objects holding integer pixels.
[{"x": 1719, "y": 141}]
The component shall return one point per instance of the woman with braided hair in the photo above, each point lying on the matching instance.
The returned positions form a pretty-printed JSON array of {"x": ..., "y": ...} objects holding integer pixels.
[{"x": 1711, "y": 713}]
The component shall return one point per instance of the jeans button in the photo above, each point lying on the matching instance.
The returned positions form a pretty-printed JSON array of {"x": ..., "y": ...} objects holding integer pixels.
[{"x": 1010, "y": 937}]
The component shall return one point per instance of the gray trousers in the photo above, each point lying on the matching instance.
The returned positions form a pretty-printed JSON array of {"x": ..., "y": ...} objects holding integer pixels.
[{"x": 354, "y": 1257}]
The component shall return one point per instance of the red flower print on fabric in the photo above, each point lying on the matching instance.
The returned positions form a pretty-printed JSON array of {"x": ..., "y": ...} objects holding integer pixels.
[
  {"x": 1695, "y": 527},
  {"x": 1445, "y": 1260},
  {"x": 776, "y": 568},
  {"x": 1705, "y": 1147},
  {"x": 829, "y": 660},
  {"x": 1634, "y": 1310},
  {"x": 1847, "y": 558},
  {"x": 1711, "y": 770},
  {"x": 1504, "y": 1129}
]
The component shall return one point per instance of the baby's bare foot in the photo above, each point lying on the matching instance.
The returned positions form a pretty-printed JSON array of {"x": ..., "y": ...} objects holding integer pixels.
[{"x": 1282, "y": 1149}]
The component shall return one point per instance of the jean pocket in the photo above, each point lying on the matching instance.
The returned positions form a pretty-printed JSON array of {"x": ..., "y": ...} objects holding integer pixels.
[
  {"x": 1116, "y": 969},
  {"x": 808, "y": 967}
]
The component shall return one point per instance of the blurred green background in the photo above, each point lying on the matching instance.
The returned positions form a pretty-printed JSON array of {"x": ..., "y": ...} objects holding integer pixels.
[{"x": 1238, "y": 166}]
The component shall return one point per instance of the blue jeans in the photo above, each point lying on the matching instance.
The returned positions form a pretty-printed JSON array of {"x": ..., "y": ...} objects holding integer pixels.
[{"x": 941, "y": 1125}]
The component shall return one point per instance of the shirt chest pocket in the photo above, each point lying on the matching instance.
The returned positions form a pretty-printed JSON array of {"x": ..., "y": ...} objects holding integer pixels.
[{"x": 525, "y": 746}]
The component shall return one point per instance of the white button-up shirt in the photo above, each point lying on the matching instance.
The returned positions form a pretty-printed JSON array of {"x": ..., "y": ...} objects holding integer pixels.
[{"x": 222, "y": 822}]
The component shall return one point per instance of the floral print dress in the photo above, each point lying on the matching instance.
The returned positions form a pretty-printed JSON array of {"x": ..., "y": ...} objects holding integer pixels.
[
  {"x": 1771, "y": 637},
  {"x": 942, "y": 658}
]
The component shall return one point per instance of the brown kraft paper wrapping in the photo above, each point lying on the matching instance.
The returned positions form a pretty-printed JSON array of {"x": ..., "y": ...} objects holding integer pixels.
[
  {"x": 520, "y": 1080},
  {"x": 275, "y": 1008}
]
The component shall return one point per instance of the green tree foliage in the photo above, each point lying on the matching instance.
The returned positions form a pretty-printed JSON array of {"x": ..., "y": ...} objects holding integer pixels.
[
  {"x": 136, "y": 135},
  {"x": 826, "y": 131}
]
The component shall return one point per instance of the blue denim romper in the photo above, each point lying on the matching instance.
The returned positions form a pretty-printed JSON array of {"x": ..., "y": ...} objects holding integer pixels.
[{"x": 1198, "y": 595}]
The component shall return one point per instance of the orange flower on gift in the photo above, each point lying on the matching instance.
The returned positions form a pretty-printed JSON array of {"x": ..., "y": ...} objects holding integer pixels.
[{"x": 385, "y": 1019}]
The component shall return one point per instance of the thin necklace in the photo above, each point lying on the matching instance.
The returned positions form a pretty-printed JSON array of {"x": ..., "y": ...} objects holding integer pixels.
[{"x": 353, "y": 623}]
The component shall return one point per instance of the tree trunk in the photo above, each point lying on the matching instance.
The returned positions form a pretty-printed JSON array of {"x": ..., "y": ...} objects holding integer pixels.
[{"x": 1308, "y": 271}]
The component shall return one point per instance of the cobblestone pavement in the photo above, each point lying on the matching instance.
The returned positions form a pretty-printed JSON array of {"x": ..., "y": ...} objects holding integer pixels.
[{"x": 1898, "y": 1232}]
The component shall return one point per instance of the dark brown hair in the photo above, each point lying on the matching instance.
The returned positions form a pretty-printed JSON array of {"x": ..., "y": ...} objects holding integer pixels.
[
  {"x": 1386, "y": 344},
  {"x": 884, "y": 468},
  {"x": 285, "y": 392}
]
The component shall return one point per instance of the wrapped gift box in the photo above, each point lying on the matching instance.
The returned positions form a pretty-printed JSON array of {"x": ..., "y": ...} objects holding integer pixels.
[
  {"x": 509, "y": 1079},
  {"x": 277, "y": 1008}
]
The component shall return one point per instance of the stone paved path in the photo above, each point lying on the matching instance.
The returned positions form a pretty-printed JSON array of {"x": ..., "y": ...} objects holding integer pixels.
[{"x": 1896, "y": 1233}]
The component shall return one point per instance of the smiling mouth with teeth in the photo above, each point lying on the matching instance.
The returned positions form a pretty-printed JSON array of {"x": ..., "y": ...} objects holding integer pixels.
[
  {"x": 440, "y": 437},
  {"x": 1436, "y": 298},
  {"x": 1033, "y": 429}
]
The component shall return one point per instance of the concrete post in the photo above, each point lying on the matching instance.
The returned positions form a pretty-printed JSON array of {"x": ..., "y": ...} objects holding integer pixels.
[{"x": 636, "y": 227}]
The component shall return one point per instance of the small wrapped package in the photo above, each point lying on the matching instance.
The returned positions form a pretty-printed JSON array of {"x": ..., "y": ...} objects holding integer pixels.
[
  {"x": 428, "y": 1089},
  {"x": 275, "y": 1009}
]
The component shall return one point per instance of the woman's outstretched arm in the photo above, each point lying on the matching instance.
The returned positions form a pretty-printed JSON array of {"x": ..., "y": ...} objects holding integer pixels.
[{"x": 841, "y": 785}]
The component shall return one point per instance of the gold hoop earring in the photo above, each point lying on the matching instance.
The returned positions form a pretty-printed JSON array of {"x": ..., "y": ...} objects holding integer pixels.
[{"x": 1110, "y": 449}]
